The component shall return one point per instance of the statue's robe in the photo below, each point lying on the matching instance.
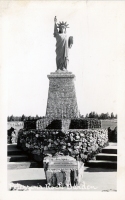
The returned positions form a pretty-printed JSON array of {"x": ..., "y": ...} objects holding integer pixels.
[{"x": 62, "y": 51}]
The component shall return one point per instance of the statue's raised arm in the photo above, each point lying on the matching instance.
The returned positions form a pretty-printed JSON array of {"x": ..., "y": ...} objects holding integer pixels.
[
  {"x": 55, "y": 27},
  {"x": 63, "y": 43}
]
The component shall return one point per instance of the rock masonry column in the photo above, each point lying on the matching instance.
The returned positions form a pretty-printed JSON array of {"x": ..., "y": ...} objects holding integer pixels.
[{"x": 62, "y": 101}]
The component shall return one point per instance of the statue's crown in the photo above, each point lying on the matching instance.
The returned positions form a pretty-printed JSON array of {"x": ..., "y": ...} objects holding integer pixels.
[{"x": 62, "y": 24}]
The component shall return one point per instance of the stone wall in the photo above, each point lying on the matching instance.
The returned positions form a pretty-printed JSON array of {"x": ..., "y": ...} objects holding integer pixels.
[
  {"x": 80, "y": 144},
  {"x": 65, "y": 124},
  {"x": 43, "y": 123},
  {"x": 62, "y": 101}
]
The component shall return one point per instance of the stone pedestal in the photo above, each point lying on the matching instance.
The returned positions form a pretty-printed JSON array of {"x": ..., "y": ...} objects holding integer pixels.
[
  {"x": 62, "y": 102},
  {"x": 63, "y": 171}
]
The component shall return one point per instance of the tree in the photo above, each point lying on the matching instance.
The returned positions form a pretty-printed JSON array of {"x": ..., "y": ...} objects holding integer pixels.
[
  {"x": 107, "y": 116},
  {"x": 87, "y": 115},
  {"x": 112, "y": 115},
  {"x": 8, "y": 118},
  {"x": 23, "y": 118},
  {"x": 29, "y": 118},
  {"x": 102, "y": 116},
  {"x": 96, "y": 116},
  {"x": 37, "y": 117},
  {"x": 16, "y": 118},
  {"x": 92, "y": 115},
  {"x": 11, "y": 118}
]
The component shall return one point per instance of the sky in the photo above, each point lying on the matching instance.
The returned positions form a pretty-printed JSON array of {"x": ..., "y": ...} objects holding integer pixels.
[{"x": 96, "y": 57}]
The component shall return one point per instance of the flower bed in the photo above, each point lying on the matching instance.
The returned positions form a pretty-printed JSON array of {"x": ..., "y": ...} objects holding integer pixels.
[{"x": 83, "y": 145}]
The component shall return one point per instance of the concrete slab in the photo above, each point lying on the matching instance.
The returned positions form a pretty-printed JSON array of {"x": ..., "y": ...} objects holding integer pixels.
[
  {"x": 95, "y": 179},
  {"x": 110, "y": 147},
  {"x": 21, "y": 165},
  {"x": 17, "y": 158}
]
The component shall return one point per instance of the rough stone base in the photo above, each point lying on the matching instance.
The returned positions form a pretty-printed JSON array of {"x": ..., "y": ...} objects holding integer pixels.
[{"x": 62, "y": 102}]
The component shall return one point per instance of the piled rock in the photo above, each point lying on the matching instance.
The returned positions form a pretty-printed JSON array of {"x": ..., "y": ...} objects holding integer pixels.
[
  {"x": 63, "y": 171},
  {"x": 81, "y": 145}
]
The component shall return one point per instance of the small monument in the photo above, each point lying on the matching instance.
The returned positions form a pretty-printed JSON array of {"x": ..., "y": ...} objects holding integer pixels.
[{"x": 62, "y": 101}]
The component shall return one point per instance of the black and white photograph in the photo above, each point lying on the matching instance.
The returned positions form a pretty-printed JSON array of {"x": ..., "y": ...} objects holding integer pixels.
[{"x": 62, "y": 76}]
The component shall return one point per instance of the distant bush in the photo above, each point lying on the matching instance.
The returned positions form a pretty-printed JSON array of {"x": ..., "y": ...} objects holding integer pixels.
[{"x": 112, "y": 135}]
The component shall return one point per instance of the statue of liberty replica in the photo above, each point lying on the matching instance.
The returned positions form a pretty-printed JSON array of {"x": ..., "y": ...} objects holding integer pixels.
[
  {"x": 63, "y": 43},
  {"x": 62, "y": 101}
]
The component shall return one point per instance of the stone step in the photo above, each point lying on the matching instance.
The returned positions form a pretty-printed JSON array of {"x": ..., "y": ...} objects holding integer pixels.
[
  {"x": 110, "y": 150},
  {"x": 102, "y": 164},
  {"x": 106, "y": 156},
  {"x": 9, "y": 146},
  {"x": 17, "y": 158},
  {"x": 14, "y": 152},
  {"x": 112, "y": 143},
  {"x": 22, "y": 165}
]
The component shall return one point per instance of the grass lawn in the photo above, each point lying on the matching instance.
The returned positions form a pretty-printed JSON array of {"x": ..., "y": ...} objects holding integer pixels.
[{"x": 112, "y": 123}]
